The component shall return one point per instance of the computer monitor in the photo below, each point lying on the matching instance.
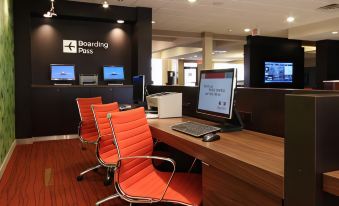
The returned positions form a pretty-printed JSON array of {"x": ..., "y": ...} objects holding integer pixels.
[
  {"x": 216, "y": 92},
  {"x": 113, "y": 73},
  {"x": 62, "y": 72},
  {"x": 139, "y": 88}
]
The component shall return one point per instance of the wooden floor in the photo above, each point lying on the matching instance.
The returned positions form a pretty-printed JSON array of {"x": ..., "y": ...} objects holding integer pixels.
[{"x": 44, "y": 173}]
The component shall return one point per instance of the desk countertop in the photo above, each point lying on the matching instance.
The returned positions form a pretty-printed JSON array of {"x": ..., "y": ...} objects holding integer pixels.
[
  {"x": 254, "y": 157},
  {"x": 331, "y": 182}
]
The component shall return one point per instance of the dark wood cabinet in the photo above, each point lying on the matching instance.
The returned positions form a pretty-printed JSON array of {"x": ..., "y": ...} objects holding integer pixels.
[{"x": 54, "y": 109}]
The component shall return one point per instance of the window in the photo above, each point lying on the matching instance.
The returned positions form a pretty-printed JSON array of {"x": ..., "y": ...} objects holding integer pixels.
[{"x": 157, "y": 71}]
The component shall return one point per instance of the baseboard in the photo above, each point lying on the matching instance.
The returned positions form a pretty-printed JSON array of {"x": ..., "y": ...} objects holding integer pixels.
[
  {"x": 47, "y": 138},
  {"x": 7, "y": 158},
  {"x": 31, "y": 141}
]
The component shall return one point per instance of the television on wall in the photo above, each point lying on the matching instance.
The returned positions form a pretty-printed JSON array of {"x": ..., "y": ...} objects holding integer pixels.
[{"x": 278, "y": 72}]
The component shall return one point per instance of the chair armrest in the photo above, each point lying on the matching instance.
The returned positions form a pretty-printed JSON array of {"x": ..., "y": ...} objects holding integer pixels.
[{"x": 158, "y": 158}]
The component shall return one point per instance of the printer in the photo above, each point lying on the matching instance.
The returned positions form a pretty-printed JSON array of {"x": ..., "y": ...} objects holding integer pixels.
[{"x": 168, "y": 104}]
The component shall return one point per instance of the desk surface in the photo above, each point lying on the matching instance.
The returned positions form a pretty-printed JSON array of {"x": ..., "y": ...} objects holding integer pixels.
[
  {"x": 331, "y": 182},
  {"x": 253, "y": 157}
]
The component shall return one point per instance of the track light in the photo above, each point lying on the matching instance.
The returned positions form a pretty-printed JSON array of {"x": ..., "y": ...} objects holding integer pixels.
[
  {"x": 120, "y": 21},
  {"x": 105, "y": 5},
  {"x": 51, "y": 12}
]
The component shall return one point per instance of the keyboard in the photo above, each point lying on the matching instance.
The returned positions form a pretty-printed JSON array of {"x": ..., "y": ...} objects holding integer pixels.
[{"x": 194, "y": 129}]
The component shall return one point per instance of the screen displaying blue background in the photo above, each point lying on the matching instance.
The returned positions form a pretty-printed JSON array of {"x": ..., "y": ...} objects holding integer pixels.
[
  {"x": 278, "y": 72},
  {"x": 113, "y": 73},
  {"x": 62, "y": 72}
]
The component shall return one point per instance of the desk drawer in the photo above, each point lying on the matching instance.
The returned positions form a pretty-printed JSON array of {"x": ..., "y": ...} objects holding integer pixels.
[{"x": 222, "y": 189}]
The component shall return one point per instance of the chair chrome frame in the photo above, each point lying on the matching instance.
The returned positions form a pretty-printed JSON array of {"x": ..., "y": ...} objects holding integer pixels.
[
  {"x": 83, "y": 141},
  {"x": 132, "y": 199},
  {"x": 110, "y": 167}
]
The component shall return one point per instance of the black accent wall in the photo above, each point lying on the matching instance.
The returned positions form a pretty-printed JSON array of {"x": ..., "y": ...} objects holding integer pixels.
[
  {"x": 38, "y": 44},
  {"x": 327, "y": 61},
  {"x": 260, "y": 49}
]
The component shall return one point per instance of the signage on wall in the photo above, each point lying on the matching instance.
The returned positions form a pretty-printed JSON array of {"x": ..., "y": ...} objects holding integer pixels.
[{"x": 82, "y": 47}]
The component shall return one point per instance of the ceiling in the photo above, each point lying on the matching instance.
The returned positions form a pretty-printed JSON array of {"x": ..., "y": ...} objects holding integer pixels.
[{"x": 231, "y": 17}]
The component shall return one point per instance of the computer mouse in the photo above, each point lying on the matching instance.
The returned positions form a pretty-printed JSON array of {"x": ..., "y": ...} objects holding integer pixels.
[{"x": 210, "y": 137}]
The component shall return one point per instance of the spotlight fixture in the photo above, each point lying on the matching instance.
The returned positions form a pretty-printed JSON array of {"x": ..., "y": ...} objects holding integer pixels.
[
  {"x": 120, "y": 21},
  {"x": 192, "y": 1},
  {"x": 290, "y": 19},
  {"x": 247, "y": 30},
  {"x": 51, "y": 12},
  {"x": 335, "y": 32},
  {"x": 105, "y": 5},
  {"x": 153, "y": 22}
]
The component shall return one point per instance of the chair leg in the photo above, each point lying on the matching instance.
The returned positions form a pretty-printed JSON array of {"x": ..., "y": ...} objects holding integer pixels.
[
  {"x": 106, "y": 199},
  {"x": 108, "y": 179},
  {"x": 190, "y": 170},
  {"x": 81, "y": 176}
]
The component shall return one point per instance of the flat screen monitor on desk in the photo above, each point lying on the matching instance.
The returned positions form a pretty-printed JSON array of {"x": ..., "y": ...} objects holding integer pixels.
[
  {"x": 114, "y": 74},
  {"x": 216, "y": 95},
  {"x": 62, "y": 73},
  {"x": 139, "y": 89}
]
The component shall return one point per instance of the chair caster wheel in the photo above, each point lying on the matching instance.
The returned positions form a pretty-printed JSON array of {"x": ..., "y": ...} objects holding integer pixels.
[
  {"x": 107, "y": 182},
  {"x": 80, "y": 177}
]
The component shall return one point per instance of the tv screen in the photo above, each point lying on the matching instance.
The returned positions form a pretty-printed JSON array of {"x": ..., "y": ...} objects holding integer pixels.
[
  {"x": 62, "y": 72},
  {"x": 113, "y": 73},
  {"x": 278, "y": 72}
]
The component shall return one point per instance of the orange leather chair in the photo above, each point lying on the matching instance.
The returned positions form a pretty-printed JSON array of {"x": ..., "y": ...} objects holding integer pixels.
[
  {"x": 136, "y": 180},
  {"x": 87, "y": 130},
  {"x": 106, "y": 151}
]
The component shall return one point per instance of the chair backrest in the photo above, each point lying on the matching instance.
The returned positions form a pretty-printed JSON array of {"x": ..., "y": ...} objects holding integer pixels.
[
  {"x": 87, "y": 131},
  {"x": 84, "y": 106},
  {"x": 133, "y": 138},
  {"x": 106, "y": 142}
]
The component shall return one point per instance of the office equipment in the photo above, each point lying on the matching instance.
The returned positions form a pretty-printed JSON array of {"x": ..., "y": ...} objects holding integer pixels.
[
  {"x": 87, "y": 130},
  {"x": 278, "y": 72},
  {"x": 114, "y": 74},
  {"x": 138, "y": 89},
  {"x": 62, "y": 73},
  {"x": 139, "y": 181},
  {"x": 194, "y": 129},
  {"x": 211, "y": 137},
  {"x": 216, "y": 97},
  {"x": 242, "y": 162},
  {"x": 168, "y": 104},
  {"x": 88, "y": 79},
  {"x": 124, "y": 107},
  {"x": 106, "y": 151}
]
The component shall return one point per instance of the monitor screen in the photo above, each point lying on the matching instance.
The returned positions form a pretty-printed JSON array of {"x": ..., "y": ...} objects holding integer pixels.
[
  {"x": 278, "y": 72},
  {"x": 139, "y": 88},
  {"x": 113, "y": 73},
  {"x": 62, "y": 72},
  {"x": 216, "y": 92}
]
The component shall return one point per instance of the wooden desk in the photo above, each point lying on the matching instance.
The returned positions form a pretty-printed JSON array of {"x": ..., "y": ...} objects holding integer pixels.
[
  {"x": 242, "y": 168},
  {"x": 331, "y": 182}
]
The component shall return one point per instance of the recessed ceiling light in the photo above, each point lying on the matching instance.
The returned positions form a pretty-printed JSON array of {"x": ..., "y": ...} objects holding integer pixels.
[
  {"x": 192, "y": 1},
  {"x": 229, "y": 30},
  {"x": 105, "y": 5},
  {"x": 290, "y": 19},
  {"x": 335, "y": 32},
  {"x": 153, "y": 22},
  {"x": 247, "y": 30},
  {"x": 120, "y": 21},
  {"x": 213, "y": 53},
  {"x": 220, "y": 51},
  {"x": 195, "y": 56}
]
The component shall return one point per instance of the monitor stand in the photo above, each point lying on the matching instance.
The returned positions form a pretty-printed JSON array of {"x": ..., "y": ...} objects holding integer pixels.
[{"x": 234, "y": 124}]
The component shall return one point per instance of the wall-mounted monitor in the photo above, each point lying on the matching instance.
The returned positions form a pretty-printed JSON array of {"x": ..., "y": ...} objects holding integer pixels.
[
  {"x": 113, "y": 73},
  {"x": 278, "y": 72},
  {"x": 62, "y": 72}
]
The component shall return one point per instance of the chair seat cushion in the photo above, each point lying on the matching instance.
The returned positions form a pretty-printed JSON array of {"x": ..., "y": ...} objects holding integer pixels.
[{"x": 184, "y": 188}]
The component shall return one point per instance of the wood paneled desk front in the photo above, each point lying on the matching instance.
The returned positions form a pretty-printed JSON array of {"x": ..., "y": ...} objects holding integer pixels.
[{"x": 243, "y": 168}]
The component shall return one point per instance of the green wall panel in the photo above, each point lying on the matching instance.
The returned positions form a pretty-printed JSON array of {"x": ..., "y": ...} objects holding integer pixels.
[{"x": 7, "y": 122}]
